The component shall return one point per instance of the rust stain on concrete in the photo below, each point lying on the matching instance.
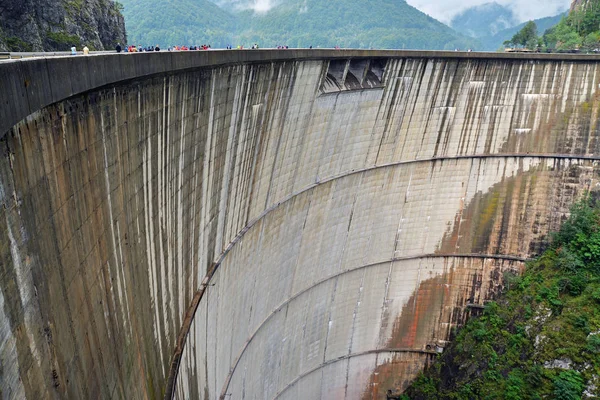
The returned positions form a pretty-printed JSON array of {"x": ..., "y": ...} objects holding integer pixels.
[{"x": 427, "y": 319}]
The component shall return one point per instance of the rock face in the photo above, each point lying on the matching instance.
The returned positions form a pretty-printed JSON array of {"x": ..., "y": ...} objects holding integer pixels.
[
  {"x": 576, "y": 4},
  {"x": 45, "y": 25}
]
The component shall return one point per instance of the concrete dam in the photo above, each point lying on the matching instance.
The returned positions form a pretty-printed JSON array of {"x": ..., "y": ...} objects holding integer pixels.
[{"x": 270, "y": 224}]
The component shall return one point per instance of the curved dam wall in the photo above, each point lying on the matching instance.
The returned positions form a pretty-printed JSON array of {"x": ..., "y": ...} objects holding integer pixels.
[{"x": 271, "y": 224}]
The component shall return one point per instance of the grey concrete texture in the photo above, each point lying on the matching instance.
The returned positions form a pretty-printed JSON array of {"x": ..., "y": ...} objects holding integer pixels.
[
  {"x": 337, "y": 235},
  {"x": 400, "y": 206},
  {"x": 43, "y": 81}
]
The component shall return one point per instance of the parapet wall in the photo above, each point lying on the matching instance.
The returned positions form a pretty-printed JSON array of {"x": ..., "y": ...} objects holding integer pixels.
[{"x": 346, "y": 213}]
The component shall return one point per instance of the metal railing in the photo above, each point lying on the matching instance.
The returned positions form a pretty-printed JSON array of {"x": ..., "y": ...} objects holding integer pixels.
[{"x": 33, "y": 54}]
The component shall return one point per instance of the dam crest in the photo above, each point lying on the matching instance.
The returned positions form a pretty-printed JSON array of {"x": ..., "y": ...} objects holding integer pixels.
[{"x": 272, "y": 224}]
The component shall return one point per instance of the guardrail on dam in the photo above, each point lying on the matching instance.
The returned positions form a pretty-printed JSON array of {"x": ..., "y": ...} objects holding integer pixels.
[{"x": 271, "y": 224}]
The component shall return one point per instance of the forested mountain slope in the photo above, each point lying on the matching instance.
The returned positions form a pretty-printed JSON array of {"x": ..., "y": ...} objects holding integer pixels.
[
  {"x": 297, "y": 23},
  {"x": 349, "y": 23},
  {"x": 177, "y": 22}
]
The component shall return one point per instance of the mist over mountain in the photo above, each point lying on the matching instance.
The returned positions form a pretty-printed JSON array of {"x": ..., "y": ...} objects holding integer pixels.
[
  {"x": 493, "y": 23},
  {"x": 254, "y": 5},
  {"x": 524, "y": 10},
  {"x": 495, "y": 41},
  {"x": 484, "y": 20},
  {"x": 296, "y": 23},
  {"x": 348, "y": 23}
]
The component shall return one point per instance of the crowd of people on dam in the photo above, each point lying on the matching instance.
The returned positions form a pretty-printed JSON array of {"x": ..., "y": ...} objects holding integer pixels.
[
  {"x": 141, "y": 49},
  {"x": 134, "y": 49}
]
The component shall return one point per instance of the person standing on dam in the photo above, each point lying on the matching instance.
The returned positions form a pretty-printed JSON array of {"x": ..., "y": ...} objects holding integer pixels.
[{"x": 86, "y": 51}]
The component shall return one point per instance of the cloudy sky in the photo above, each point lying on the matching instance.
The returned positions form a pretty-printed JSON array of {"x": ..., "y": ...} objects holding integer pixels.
[{"x": 444, "y": 10}]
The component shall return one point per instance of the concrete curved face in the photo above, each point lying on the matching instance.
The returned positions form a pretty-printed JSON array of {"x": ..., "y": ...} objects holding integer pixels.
[{"x": 324, "y": 219}]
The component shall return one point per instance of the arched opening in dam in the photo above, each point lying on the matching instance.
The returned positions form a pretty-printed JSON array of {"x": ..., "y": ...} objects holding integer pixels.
[{"x": 272, "y": 224}]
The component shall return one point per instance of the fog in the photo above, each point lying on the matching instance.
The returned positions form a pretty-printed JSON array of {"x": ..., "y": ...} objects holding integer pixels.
[
  {"x": 524, "y": 10},
  {"x": 442, "y": 10}
]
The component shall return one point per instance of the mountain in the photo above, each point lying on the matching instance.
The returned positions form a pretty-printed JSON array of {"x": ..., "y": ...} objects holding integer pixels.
[
  {"x": 494, "y": 42},
  {"x": 177, "y": 22},
  {"x": 296, "y": 23},
  {"x": 492, "y": 24},
  {"x": 348, "y": 23},
  {"x": 484, "y": 20},
  {"x": 45, "y": 25}
]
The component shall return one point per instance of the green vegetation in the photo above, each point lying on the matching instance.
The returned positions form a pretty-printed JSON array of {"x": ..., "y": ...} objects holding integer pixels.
[
  {"x": 495, "y": 42},
  {"x": 526, "y": 37},
  {"x": 16, "y": 44},
  {"x": 351, "y": 24},
  {"x": 61, "y": 40},
  {"x": 180, "y": 22},
  {"x": 491, "y": 24},
  {"x": 580, "y": 30},
  {"x": 541, "y": 339},
  {"x": 73, "y": 7},
  {"x": 317, "y": 23}
]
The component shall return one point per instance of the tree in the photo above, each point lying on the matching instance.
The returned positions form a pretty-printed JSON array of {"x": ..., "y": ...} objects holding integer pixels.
[
  {"x": 526, "y": 37},
  {"x": 591, "y": 41},
  {"x": 562, "y": 37}
]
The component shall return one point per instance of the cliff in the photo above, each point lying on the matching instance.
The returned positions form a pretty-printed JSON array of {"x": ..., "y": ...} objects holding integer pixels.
[
  {"x": 45, "y": 25},
  {"x": 576, "y": 4}
]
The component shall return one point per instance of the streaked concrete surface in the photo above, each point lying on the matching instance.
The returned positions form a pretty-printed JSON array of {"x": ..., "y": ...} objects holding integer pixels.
[{"x": 341, "y": 208}]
